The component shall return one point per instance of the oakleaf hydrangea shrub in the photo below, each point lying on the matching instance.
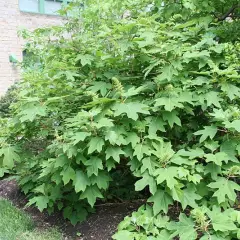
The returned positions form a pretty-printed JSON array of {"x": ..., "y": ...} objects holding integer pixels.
[{"x": 144, "y": 84}]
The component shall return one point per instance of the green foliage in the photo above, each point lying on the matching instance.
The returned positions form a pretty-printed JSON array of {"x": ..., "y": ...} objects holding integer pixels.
[
  {"x": 7, "y": 100},
  {"x": 152, "y": 91},
  {"x": 229, "y": 31},
  {"x": 203, "y": 223}
]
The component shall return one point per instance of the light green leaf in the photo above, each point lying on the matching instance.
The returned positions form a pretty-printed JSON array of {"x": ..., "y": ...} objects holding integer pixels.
[
  {"x": 112, "y": 137},
  {"x": 148, "y": 164},
  {"x": 116, "y": 136},
  {"x": 221, "y": 221},
  {"x": 156, "y": 124},
  {"x": 9, "y": 156},
  {"x": 213, "y": 169},
  {"x": 213, "y": 99},
  {"x": 101, "y": 86},
  {"x": 40, "y": 201},
  {"x": 40, "y": 189},
  {"x": 208, "y": 131},
  {"x": 31, "y": 112},
  {"x": 195, "y": 178},
  {"x": 101, "y": 180},
  {"x": 79, "y": 137},
  {"x": 229, "y": 147},
  {"x": 220, "y": 115},
  {"x": 132, "y": 138},
  {"x": 213, "y": 237},
  {"x": 163, "y": 151},
  {"x": 81, "y": 181},
  {"x": 91, "y": 194},
  {"x": 225, "y": 188},
  {"x": 185, "y": 228},
  {"x": 123, "y": 235},
  {"x": 168, "y": 72},
  {"x": 192, "y": 153},
  {"x": 235, "y": 125},
  {"x": 85, "y": 59},
  {"x": 211, "y": 145},
  {"x": 196, "y": 54},
  {"x": 172, "y": 118},
  {"x": 231, "y": 90},
  {"x": 169, "y": 103},
  {"x": 94, "y": 164},
  {"x": 68, "y": 174},
  {"x": 131, "y": 109},
  {"x": 167, "y": 174},
  {"x": 217, "y": 158},
  {"x": 146, "y": 180},
  {"x": 114, "y": 152},
  {"x": 189, "y": 197},
  {"x": 160, "y": 200},
  {"x": 61, "y": 160},
  {"x": 3, "y": 171},
  {"x": 95, "y": 144},
  {"x": 104, "y": 122},
  {"x": 140, "y": 150}
]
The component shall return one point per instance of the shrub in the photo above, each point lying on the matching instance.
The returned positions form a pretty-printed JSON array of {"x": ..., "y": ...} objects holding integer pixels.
[
  {"x": 136, "y": 85},
  {"x": 6, "y": 100}
]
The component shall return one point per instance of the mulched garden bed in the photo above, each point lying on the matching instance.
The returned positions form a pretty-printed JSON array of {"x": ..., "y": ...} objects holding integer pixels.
[{"x": 99, "y": 226}]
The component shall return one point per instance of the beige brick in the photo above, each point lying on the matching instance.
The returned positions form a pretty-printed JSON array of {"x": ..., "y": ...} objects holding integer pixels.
[{"x": 11, "y": 20}]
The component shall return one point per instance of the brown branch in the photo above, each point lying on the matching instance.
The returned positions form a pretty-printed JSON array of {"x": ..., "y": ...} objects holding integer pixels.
[
  {"x": 230, "y": 11},
  {"x": 122, "y": 203}
]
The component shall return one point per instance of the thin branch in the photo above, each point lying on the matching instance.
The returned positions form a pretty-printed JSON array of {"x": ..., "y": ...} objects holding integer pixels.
[
  {"x": 122, "y": 203},
  {"x": 230, "y": 11}
]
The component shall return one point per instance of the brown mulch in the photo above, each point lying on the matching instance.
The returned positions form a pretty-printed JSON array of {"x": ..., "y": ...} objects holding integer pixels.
[{"x": 99, "y": 226}]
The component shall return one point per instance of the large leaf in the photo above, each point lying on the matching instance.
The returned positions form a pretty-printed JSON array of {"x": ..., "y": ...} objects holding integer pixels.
[
  {"x": 95, "y": 144},
  {"x": 30, "y": 113},
  {"x": 81, "y": 181},
  {"x": 115, "y": 153},
  {"x": 101, "y": 86},
  {"x": 10, "y": 155},
  {"x": 168, "y": 175},
  {"x": 146, "y": 180},
  {"x": 94, "y": 164},
  {"x": 235, "y": 125},
  {"x": 161, "y": 200},
  {"x": 80, "y": 136},
  {"x": 156, "y": 124},
  {"x": 68, "y": 174},
  {"x": 131, "y": 109},
  {"x": 217, "y": 158},
  {"x": 169, "y": 103},
  {"x": 102, "y": 180},
  {"x": 185, "y": 228},
  {"x": 208, "y": 131},
  {"x": 224, "y": 188},
  {"x": 172, "y": 118},
  {"x": 40, "y": 201},
  {"x": 221, "y": 221},
  {"x": 91, "y": 194}
]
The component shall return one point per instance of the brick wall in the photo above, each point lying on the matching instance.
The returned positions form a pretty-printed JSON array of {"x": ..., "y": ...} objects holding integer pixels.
[{"x": 11, "y": 20}]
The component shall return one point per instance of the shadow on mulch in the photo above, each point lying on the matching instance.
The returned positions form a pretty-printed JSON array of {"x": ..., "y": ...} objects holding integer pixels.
[{"x": 99, "y": 226}]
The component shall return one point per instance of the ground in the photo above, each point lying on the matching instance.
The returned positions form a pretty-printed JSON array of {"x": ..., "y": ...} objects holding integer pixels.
[{"x": 100, "y": 225}]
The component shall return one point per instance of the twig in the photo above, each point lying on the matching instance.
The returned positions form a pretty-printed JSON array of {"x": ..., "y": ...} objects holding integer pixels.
[
  {"x": 121, "y": 203},
  {"x": 231, "y": 10}
]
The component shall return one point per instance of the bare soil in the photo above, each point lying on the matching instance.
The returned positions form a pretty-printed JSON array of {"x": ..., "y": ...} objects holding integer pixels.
[{"x": 99, "y": 226}]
